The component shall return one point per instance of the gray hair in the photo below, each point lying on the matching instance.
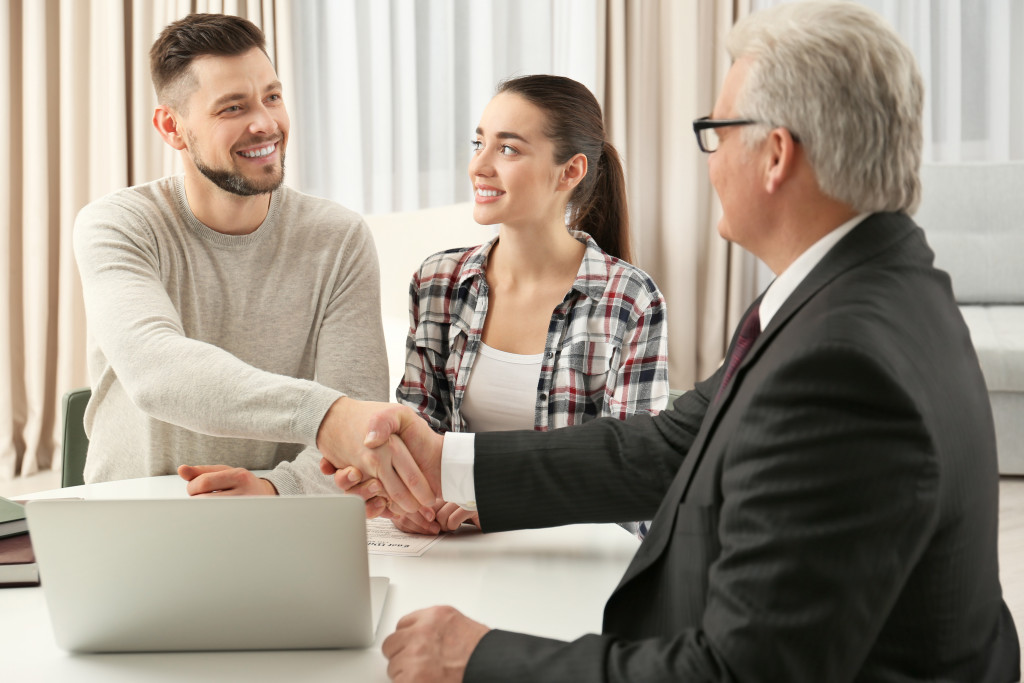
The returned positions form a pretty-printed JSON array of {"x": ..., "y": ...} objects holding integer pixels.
[{"x": 839, "y": 79}]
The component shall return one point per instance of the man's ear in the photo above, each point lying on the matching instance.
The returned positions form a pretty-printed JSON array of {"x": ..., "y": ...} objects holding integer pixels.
[
  {"x": 573, "y": 172},
  {"x": 781, "y": 161},
  {"x": 166, "y": 123}
]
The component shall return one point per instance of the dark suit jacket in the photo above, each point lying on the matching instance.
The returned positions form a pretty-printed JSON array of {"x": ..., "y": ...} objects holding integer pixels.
[{"x": 831, "y": 517}]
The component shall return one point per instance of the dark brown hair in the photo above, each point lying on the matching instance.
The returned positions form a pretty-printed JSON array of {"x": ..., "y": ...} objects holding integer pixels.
[
  {"x": 575, "y": 126},
  {"x": 197, "y": 35}
]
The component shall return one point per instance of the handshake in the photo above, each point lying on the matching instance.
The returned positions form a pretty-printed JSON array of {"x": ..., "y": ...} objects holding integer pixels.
[
  {"x": 389, "y": 456},
  {"x": 383, "y": 452}
]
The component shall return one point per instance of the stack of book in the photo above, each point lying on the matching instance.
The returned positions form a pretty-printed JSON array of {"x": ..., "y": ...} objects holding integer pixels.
[{"x": 17, "y": 561}]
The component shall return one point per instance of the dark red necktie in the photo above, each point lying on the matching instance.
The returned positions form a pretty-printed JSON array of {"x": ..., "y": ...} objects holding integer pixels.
[{"x": 749, "y": 331}]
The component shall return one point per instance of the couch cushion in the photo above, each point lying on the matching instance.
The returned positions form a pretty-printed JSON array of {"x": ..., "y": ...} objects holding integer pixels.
[
  {"x": 998, "y": 336},
  {"x": 973, "y": 215}
]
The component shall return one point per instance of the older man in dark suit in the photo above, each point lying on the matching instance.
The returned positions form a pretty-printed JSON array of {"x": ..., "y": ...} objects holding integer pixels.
[{"x": 824, "y": 506}]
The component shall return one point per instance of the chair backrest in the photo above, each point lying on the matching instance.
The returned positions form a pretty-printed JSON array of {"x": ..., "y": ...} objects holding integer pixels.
[
  {"x": 973, "y": 215},
  {"x": 74, "y": 443}
]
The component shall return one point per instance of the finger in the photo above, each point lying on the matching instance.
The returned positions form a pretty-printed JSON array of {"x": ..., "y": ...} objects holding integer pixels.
[
  {"x": 327, "y": 467},
  {"x": 364, "y": 488},
  {"x": 415, "y": 524},
  {"x": 210, "y": 482},
  {"x": 444, "y": 512},
  {"x": 459, "y": 518},
  {"x": 415, "y": 495},
  {"x": 190, "y": 472},
  {"x": 375, "y": 507}
]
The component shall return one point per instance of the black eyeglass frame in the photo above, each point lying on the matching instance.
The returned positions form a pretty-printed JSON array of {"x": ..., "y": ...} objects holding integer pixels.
[{"x": 706, "y": 122}]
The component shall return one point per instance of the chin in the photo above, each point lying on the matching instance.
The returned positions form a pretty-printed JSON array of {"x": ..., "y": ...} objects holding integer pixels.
[{"x": 481, "y": 217}]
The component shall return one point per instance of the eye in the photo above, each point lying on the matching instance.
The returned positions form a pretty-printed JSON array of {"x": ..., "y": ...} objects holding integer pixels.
[
  {"x": 508, "y": 150},
  {"x": 274, "y": 98},
  {"x": 232, "y": 109},
  {"x": 476, "y": 145}
]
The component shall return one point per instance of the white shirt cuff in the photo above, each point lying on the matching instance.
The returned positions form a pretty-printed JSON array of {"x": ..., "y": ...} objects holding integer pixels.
[{"x": 458, "y": 452}]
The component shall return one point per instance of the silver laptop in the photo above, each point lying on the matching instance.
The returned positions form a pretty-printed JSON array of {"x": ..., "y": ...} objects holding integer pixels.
[{"x": 206, "y": 574}]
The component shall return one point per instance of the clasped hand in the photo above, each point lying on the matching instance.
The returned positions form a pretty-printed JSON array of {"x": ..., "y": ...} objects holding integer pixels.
[{"x": 397, "y": 465}]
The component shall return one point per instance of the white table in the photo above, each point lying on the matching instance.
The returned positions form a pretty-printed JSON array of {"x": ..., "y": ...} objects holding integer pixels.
[{"x": 550, "y": 582}]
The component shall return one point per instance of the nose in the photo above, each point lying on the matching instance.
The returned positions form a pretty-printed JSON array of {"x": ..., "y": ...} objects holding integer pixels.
[
  {"x": 480, "y": 164},
  {"x": 262, "y": 122}
]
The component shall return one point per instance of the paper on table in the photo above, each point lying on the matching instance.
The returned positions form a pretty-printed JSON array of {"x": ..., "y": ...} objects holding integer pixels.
[{"x": 383, "y": 538}]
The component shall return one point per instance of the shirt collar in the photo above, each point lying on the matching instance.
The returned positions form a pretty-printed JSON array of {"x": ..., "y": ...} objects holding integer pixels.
[
  {"x": 787, "y": 282},
  {"x": 591, "y": 278}
]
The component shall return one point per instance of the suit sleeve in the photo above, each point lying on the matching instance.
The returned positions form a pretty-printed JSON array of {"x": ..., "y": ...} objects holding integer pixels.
[
  {"x": 831, "y": 462},
  {"x": 606, "y": 470}
]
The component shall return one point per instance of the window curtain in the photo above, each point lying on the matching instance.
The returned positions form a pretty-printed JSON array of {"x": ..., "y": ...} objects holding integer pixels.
[
  {"x": 971, "y": 56},
  {"x": 663, "y": 63},
  {"x": 78, "y": 125},
  {"x": 390, "y": 91}
]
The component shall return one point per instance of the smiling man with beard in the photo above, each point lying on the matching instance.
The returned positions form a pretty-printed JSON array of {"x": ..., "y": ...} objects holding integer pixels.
[{"x": 227, "y": 313}]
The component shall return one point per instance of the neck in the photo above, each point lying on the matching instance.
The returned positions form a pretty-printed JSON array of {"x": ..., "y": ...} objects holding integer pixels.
[
  {"x": 801, "y": 228},
  {"x": 523, "y": 255},
  {"x": 223, "y": 211}
]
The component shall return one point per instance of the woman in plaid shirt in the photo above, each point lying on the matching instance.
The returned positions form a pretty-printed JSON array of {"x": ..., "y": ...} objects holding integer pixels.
[{"x": 541, "y": 327}]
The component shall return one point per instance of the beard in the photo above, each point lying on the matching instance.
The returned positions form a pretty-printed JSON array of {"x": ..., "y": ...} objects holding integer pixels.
[{"x": 231, "y": 180}]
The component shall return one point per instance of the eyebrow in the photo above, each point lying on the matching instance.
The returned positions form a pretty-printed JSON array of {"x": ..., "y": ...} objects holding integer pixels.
[
  {"x": 505, "y": 135},
  {"x": 237, "y": 96}
]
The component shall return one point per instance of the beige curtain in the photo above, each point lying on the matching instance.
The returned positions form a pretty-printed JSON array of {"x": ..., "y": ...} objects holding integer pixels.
[
  {"x": 663, "y": 65},
  {"x": 77, "y": 124}
]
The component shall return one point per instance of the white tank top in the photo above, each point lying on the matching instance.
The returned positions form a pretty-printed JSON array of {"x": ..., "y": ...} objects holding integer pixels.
[{"x": 502, "y": 391}]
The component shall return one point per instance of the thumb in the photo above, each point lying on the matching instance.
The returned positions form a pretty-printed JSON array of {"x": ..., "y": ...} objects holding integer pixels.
[{"x": 381, "y": 426}]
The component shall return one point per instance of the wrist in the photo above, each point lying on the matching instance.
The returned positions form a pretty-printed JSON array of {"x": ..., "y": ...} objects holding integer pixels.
[
  {"x": 333, "y": 414},
  {"x": 268, "y": 487}
]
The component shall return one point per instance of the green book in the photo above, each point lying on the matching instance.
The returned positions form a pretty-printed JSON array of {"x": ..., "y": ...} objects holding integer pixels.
[{"x": 12, "y": 518}]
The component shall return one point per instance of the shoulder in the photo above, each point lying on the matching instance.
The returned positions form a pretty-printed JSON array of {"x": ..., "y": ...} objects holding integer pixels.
[
  {"x": 450, "y": 266},
  {"x": 320, "y": 217},
  {"x": 155, "y": 198},
  {"x": 316, "y": 210},
  {"x": 619, "y": 282},
  {"x": 137, "y": 213}
]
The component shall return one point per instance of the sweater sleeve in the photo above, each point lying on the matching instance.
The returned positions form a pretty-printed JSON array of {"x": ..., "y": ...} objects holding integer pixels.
[{"x": 166, "y": 374}]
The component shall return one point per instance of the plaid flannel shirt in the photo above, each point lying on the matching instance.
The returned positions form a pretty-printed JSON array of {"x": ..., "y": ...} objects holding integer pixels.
[{"x": 606, "y": 349}]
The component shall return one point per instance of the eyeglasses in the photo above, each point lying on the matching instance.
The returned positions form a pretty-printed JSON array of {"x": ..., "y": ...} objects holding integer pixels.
[{"x": 705, "y": 128}]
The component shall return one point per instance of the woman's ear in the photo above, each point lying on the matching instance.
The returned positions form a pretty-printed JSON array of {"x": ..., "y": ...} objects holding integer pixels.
[
  {"x": 573, "y": 172},
  {"x": 166, "y": 123}
]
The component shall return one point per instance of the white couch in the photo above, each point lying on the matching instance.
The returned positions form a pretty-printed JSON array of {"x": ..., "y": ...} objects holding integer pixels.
[
  {"x": 403, "y": 240},
  {"x": 973, "y": 215}
]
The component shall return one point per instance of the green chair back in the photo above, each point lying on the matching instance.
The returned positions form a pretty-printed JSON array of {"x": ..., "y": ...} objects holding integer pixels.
[{"x": 74, "y": 444}]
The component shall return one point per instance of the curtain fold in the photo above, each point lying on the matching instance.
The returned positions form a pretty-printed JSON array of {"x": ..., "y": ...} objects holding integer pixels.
[
  {"x": 662, "y": 64},
  {"x": 78, "y": 126},
  {"x": 391, "y": 90}
]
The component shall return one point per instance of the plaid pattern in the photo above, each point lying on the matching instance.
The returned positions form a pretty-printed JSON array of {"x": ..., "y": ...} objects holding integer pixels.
[{"x": 606, "y": 350}]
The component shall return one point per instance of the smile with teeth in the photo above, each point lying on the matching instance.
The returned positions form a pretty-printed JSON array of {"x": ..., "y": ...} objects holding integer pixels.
[
  {"x": 260, "y": 152},
  {"x": 488, "y": 193}
]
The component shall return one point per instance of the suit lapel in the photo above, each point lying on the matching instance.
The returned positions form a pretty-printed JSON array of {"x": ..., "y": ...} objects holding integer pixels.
[{"x": 874, "y": 235}]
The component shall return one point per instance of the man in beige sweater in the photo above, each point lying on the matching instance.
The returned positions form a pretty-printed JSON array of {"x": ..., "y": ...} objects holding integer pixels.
[{"x": 229, "y": 316}]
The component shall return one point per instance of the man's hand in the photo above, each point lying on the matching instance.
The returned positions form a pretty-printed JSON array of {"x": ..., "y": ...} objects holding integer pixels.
[
  {"x": 398, "y": 452},
  {"x": 432, "y": 645},
  {"x": 221, "y": 480},
  {"x": 447, "y": 517},
  {"x": 451, "y": 516}
]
